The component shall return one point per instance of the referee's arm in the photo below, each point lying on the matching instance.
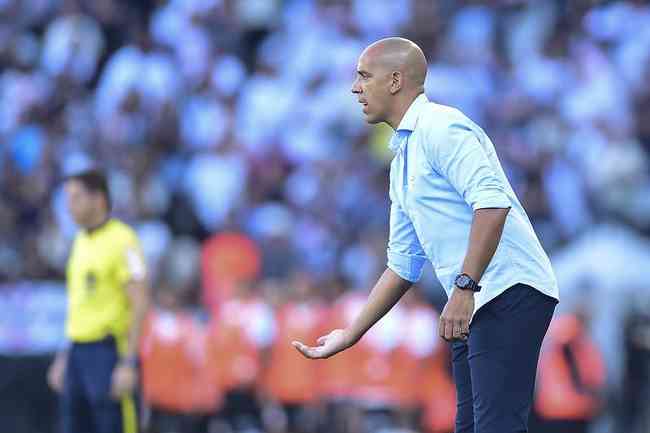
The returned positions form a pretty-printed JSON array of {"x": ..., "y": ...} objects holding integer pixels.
[
  {"x": 124, "y": 378},
  {"x": 140, "y": 297}
]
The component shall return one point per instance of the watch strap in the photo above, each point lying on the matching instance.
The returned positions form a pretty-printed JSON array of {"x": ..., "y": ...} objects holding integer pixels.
[{"x": 469, "y": 284}]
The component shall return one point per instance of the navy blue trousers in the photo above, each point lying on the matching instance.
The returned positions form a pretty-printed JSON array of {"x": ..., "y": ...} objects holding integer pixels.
[
  {"x": 495, "y": 368},
  {"x": 86, "y": 404}
]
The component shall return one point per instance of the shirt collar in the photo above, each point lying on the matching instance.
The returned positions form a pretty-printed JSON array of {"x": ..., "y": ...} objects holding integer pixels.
[
  {"x": 410, "y": 118},
  {"x": 407, "y": 125}
]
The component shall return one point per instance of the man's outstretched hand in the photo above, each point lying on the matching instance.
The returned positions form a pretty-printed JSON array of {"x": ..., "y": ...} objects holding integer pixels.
[{"x": 328, "y": 345}]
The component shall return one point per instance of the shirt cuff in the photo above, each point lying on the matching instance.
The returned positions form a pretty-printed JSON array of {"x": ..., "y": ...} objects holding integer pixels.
[
  {"x": 407, "y": 267},
  {"x": 496, "y": 199}
]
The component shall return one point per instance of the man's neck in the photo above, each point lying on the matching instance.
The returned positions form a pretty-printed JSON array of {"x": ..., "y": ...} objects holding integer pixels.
[
  {"x": 401, "y": 108},
  {"x": 97, "y": 223}
]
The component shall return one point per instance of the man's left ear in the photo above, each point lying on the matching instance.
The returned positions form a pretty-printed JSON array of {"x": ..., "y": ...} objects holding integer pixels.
[{"x": 396, "y": 82}]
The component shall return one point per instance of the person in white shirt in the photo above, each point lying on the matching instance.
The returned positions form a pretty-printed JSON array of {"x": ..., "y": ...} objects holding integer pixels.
[{"x": 452, "y": 204}]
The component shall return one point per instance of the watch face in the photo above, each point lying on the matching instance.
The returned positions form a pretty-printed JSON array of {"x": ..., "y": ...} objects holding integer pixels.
[{"x": 462, "y": 281}]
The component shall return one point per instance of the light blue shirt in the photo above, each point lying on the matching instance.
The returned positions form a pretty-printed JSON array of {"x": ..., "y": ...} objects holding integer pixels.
[{"x": 445, "y": 167}]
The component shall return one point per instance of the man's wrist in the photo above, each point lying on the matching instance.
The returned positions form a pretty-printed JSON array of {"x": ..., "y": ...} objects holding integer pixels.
[
  {"x": 350, "y": 338},
  {"x": 465, "y": 282},
  {"x": 463, "y": 292}
]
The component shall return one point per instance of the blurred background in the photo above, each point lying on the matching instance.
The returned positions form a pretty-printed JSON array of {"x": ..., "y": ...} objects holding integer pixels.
[{"x": 234, "y": 147}]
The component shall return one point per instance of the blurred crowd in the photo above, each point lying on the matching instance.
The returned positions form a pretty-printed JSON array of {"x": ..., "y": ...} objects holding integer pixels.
[{"x": 235, "y": 116}]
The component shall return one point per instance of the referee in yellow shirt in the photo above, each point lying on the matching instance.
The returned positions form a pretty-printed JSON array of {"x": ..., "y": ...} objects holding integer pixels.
[{"x": 108, "y": 297}]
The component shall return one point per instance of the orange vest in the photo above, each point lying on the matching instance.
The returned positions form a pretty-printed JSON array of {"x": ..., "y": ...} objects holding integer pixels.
[
  {"x": 369, "y": 361},
  {"x": 419, "y": 339},
  {"x": 207, "y": 391},
  {"x": 335, "y": 373},
  {"x": 291, "y": 378},
  {"x": 438, "y": 392},
  {"x": 557, "y": 396},
  {"x": 433, "y": 387},
  {"x": 233, "y": 355},
  {"x": 173, "y": 364}
]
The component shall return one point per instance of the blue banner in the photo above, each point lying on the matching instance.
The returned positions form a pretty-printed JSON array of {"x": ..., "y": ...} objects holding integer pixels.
[{"x": 32, "y": 317}]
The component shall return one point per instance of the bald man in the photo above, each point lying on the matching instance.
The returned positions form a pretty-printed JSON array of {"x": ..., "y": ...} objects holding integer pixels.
[{"x": 452, "y": 204}]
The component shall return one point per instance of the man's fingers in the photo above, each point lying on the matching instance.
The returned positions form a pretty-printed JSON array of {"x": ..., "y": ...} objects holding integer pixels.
[
  {"x": 301, "y": 348},
  {"x": 449, "y": 330},
  {"x": 465, "y": 326},
  {"x": 446, "y": 328},
  {"x": 309, "y": 352},
  {"x": 457, "y": 328},
  {"x": 464, "y": 330}
]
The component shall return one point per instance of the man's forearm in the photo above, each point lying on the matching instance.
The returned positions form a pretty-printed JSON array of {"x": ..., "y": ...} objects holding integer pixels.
[
  {"x": 389, "y": 289},
  {"x": 484, "y": 237},
  {"x": 139, "y": 294}
]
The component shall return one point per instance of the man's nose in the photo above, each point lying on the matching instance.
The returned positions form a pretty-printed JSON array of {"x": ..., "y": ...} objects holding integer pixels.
[{"x": 355, "y": 87}]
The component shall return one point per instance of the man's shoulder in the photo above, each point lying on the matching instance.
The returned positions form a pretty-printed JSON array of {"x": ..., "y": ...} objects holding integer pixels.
[
  {"x": 119, "y": 231},
  {"x": 436, "y": 119}
]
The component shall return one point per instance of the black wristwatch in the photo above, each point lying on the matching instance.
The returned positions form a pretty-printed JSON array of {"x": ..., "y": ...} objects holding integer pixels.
[{"x": 465, "y": 282}]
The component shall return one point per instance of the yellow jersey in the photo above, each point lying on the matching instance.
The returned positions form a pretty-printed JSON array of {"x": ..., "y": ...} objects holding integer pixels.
[{"x": 102, "y": 262}]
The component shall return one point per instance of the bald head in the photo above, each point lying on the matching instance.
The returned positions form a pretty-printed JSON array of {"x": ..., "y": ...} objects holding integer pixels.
[
  {"x": 399, "y": 55},
  {"x": 390, "y": 75}
]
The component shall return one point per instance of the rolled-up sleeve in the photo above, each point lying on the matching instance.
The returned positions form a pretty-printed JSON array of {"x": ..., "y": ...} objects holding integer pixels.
[
  {"x": 405, "y": 254},
  {"x": 464, "y": 162}
]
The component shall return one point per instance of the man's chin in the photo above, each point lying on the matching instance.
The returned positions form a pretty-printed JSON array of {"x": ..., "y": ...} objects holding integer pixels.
[{"x": 372, "y": 120}]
